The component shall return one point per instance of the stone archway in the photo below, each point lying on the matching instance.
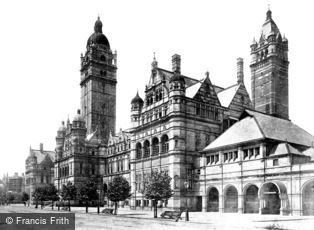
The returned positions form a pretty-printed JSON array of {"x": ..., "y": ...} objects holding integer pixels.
[
  {"x": 308, "y": 199},
  {"x": 213, "y": 200},
  {"x": 251, "y": 201},
  {"x": 231, "y": 199},
  {"x": 273, "y": 198}
]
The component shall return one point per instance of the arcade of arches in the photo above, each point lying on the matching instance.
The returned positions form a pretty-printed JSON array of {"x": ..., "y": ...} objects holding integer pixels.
[{"x": 268, "y": 198}]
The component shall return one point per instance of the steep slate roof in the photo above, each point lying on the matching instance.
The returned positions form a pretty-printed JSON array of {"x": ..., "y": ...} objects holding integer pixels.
[
  {"x": 284, "y": 148},
  {"x": 256, "y": 126},
  {"x": 225, "y": 96},
  {"x": 192, "y": 90},
  {"x": 42, "y": 155},
  {"x": 166, "y": 75}
]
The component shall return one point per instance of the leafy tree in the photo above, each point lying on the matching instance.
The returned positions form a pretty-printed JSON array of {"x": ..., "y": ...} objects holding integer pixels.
[
  {"x": 39, "y": 195},
  {"x": 68, "y": 193},
  {"x": 118, "y": 190},
  {"x": 158, "y": 187},
  {"x": 51, "y": 193},
  {"x": 11, "y": 198},
  {"x": 25, "y": 197},
  {"x": 87, "y": 191}
]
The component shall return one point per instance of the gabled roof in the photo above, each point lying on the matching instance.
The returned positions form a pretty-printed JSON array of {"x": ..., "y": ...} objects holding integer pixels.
[
  {"x": 281, "y": 129},
  {"x": 284, "y": 148},
  {"x": 242, "y": 131},
  {"x": 309, "y": 152},
  {"x": 256, "y": 126},
  {"x": 163, "y": 74},
  {"x": 192, "y": 90},
  {"x": 122, "y": 136},
  {"x": 225, "y": 96},
  {"x": 41, "y": 155}
]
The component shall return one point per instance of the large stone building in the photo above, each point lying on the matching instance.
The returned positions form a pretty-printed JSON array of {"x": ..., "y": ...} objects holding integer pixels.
[
  {"x": 80, "y": 145},
  {"x": 178, "y": 117},
  {"x": 256, "y": 160},
  {"x": 264, "y": 163},
  {"x": 38, "y": 169},
  {"x": 16, "y": 183}
]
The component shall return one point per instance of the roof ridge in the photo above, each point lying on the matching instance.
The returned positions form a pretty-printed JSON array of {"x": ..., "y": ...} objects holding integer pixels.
[
  {"x": 259, "y": 127},
  {"x": 228, "y": 87}
]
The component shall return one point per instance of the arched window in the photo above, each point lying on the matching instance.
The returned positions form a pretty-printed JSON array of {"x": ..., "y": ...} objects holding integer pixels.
[
  {"x": 155, "y": 144},
  {"x": 146, "y": 149},
  {"x": 103, "y": 58},
  {"x": 138, "y": 151},
  {"x": 176, "y": 142},
  {"x": 164, "y": 144}
]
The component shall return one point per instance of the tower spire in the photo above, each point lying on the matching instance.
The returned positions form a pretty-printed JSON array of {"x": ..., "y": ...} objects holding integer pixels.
[{"x": 268, "y": 14}]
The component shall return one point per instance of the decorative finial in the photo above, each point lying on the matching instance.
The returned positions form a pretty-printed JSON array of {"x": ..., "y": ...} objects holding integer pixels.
[
  {"x": 98, "y": 17},
  {"x": 207, "y": 73},
  {"x": 154, "y": 63},
  {"x": 268, "y": 14}
]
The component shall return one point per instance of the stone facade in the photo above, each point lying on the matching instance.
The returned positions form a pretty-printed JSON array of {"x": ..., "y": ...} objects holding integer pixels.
[
  {"x": 80, "y": 145},
  {"x": 98, "y": 84},
  {"x": 269, "y": 68},
  {"x": 38, "y": 169},
  {"x": 178, "y": 118},
  {"x": 263, "y": 163},
  {"x": 117, "y": 158},
  {"x": 16, "y": 183}
]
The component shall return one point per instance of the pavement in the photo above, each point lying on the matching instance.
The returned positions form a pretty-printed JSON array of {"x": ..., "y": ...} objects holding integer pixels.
[{"x": 143, "y": 219}]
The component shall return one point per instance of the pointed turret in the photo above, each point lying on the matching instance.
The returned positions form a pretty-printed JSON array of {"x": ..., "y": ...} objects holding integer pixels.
[{"x": 136, "y": 108}]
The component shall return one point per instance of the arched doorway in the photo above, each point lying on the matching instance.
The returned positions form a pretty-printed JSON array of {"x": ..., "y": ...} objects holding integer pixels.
[
  {"x": 213, "y": 200},
  {"x": 271, "y": 200},
  {"x": 231, "y": 200},
  {"x": 251, "y": 202},
  {"x": 308, "y": 199}
]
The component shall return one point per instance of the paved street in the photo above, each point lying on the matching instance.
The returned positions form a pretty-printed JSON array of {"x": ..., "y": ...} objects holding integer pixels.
[{"x": 130, "y": 219}]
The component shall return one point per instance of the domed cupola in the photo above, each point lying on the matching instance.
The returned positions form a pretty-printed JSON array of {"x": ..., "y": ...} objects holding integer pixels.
[
  {"x": 78, "y": 120},
  {"x": 98, "y": 38},
  {"x": 137, "y": 102},
  {"x": 269, "y": 27},
  {"x": 62, "y": 130}
]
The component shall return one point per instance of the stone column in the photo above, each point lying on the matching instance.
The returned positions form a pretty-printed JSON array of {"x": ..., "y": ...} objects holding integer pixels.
[
  {"x": 160, "y": 145},
  {"x": 261, "y": 205},
  {"x": 221, "y": 203},
  {"x": 142, "y": 203},
  {"x": 240, "y": 203},
  {"x": 204, "y": 203}
]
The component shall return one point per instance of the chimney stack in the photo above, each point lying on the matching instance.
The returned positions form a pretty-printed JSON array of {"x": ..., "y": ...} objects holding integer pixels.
[
  {"x": 41, "y": 147},
  {"x": 176, "y": 63},
  {"x": 240, "y": 74}
]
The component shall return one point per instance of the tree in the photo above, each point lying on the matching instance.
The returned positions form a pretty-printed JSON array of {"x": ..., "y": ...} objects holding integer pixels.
[
  {"x": 158, "y": 187},
  {"x": 118, "y": 190},
  {"x": 38, "y": 195},
  {"x": 68, "y": 193},
  {"x": 87, "y": 191},
  {"x": 25, "y": 197},
  {"x": 51, "y": 193},
  {"x": 11, "y": 198}
]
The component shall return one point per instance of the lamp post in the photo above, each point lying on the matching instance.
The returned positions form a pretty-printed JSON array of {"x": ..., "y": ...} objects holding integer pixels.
[
  {"x": 98, "y": 192},
  {"x": 186, "y": 185}
]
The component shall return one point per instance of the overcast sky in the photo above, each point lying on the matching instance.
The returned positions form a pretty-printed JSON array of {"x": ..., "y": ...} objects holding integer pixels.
[{"x": 41, "y": 42}]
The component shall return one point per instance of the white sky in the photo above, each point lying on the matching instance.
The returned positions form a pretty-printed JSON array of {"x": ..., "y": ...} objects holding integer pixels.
[{"x": 41, "y": 42}]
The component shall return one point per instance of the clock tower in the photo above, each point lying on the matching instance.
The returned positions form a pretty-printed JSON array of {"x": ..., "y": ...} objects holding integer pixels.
[{"x": 98, "y": 84}]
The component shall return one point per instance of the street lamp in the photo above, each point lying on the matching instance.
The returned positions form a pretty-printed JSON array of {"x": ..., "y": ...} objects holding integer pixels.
[
  {"x": 98, "y": 191},
  {"x": 186, "y": 185}
]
